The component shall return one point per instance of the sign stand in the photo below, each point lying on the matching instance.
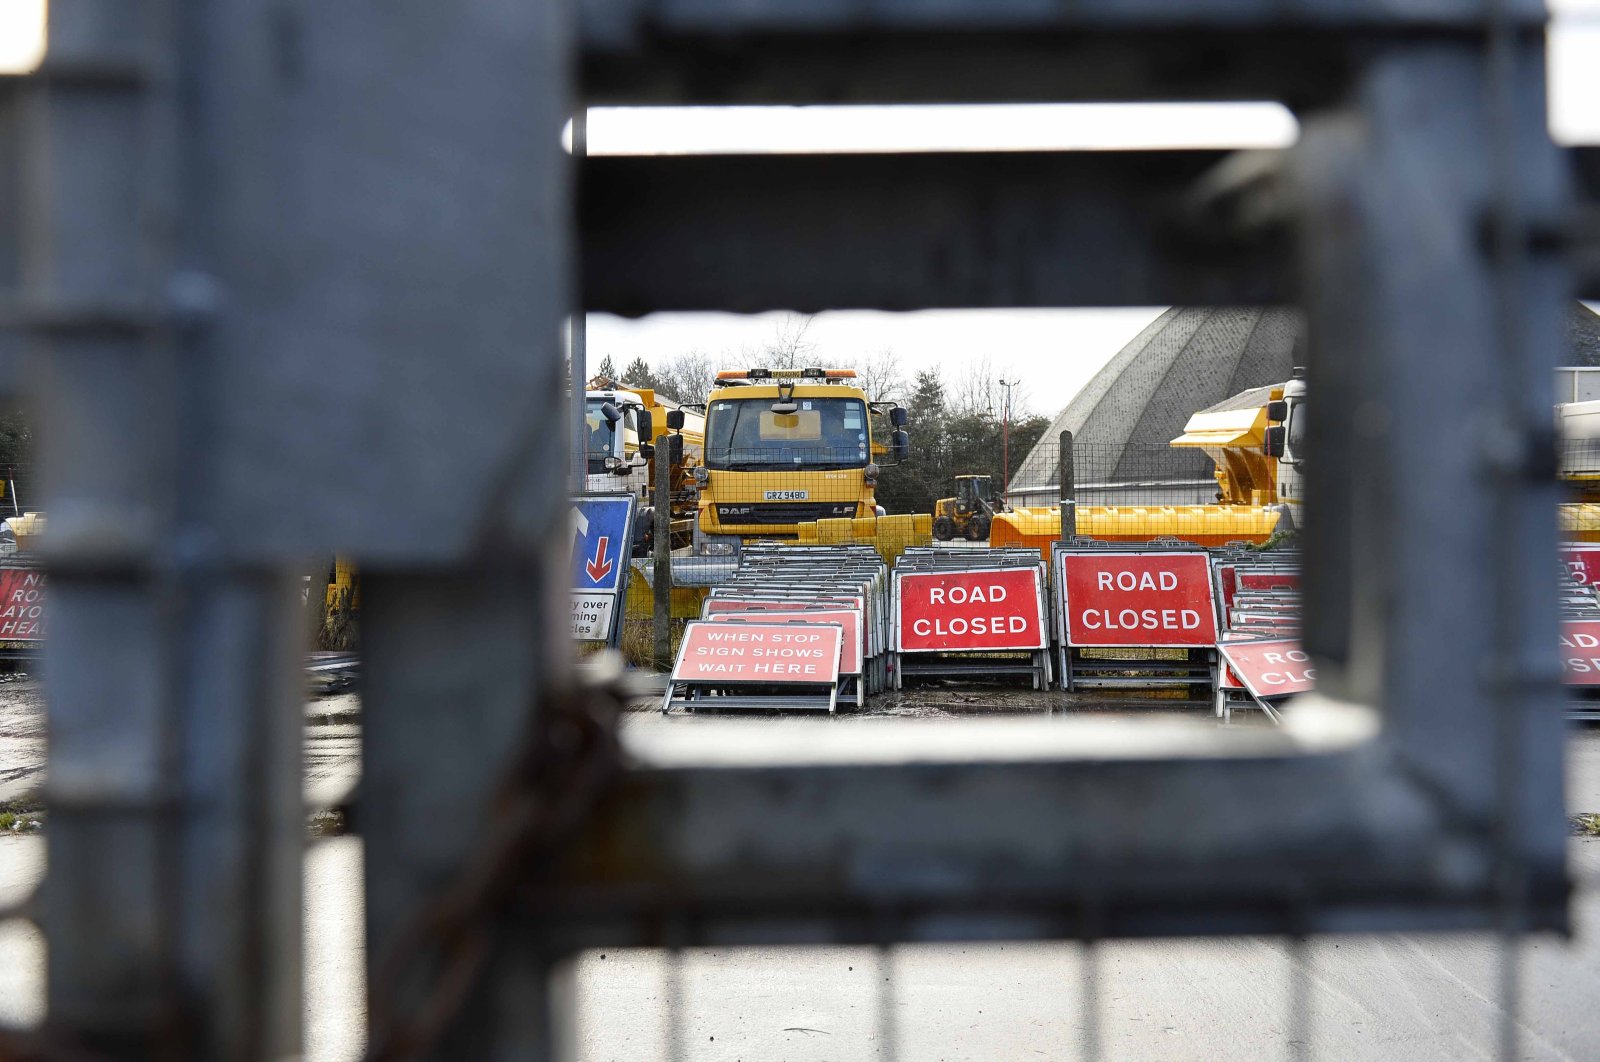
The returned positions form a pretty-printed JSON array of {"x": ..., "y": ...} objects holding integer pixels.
[
  {"x": 1138, "y": 608},
  {"x": 970, "y": 613},
  {"x": 756, "y": 664},
  {"x": 602, "y": 539}
]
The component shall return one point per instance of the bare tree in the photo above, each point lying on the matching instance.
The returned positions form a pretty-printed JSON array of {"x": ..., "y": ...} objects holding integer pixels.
[
  {"x": 975, "y": 392},
  {"x": 686, "y": 377},
  {"x": 880, "y": 376},
  {"x": 788, "y": 348}
]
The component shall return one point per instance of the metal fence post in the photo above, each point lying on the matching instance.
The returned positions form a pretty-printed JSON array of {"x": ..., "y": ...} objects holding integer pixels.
[
  {"x": 1069, "y": 489},
  {"x": 662, "y": 583}
]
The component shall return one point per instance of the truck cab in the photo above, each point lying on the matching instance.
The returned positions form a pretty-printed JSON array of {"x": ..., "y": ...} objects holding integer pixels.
[{"x": 785, "y": 447}]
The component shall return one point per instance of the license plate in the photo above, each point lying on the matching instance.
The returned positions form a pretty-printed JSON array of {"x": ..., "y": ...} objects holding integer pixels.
[{"x": 788, "y": 495}]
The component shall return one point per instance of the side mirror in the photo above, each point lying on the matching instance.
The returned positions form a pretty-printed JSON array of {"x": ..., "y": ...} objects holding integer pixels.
[
  {"x": 1278, "y": 411},
  {"x": 1272, "y": 445},
  {"x": 647, "y": 426},
  {"x": 647, "y": 450},
  {"x": 609, "y": 411},
  {"x": 900, "y": 446},
  {"x": 898, "y": 416},
  {"x": 674, "y": 420}
]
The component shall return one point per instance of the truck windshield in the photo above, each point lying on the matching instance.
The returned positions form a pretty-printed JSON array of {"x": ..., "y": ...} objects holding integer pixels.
[{"x": 744, "y": 435}]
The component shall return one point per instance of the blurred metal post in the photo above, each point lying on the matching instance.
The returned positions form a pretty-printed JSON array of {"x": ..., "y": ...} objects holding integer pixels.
[
  {"x": 1068, "y": 475},
  {"x": 578, "y": 332},
  {"x": 662, "y": 583},
  {"x": 173, "y": 913}
]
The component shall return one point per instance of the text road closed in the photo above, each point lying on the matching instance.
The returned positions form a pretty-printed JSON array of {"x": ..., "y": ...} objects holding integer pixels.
[
  {"x": 1270, "y": 669},
  {"x": 970, "y": 610},
  {"x": 1580, "y": 652},
  {"x": 1148, "y": 599},
  {"x": 758, "y": 653}
]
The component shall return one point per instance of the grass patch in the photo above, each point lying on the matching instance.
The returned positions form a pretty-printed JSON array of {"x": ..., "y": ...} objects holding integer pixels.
[{"x": 1586, "y": 825}]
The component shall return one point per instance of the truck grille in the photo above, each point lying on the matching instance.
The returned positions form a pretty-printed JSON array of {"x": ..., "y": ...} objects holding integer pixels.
[{"x": 783, "y": 512}]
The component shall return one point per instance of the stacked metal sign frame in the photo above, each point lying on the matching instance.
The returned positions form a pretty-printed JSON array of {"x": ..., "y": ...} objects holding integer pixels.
[
  {"x": 222, "y": 296},
  {"x": 818, "y": 576},
  {"x": 1143, "y": 667},
  {"x": 969, "y": 663}
]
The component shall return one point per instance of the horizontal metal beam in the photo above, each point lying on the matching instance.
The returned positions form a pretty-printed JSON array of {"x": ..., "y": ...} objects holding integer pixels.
[
  {"x": 820, "y": 16},
  {"x": 1026, "y": 828},
  {"x": 913, "y": 231},
  {"x": 1300, "y": 67},
  {"x": 712, "y": 51}
]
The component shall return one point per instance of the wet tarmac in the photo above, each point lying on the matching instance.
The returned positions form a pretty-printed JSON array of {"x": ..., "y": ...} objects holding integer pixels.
[{"x": 1421, "y": 997}]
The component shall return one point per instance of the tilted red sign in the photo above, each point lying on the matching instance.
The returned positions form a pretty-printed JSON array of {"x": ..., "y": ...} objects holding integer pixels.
[
  {"x": 1160, "y": 600},
  {"x": 1583, "y": 563},
  {"x": 972, "y": 610},
  {"x": 1580, "y": 652},
  {"x": 21, "y": 604},
  {"x": 848, "y": 619},
  {"x": 1270, "y": 669},
  {"x": 758, "y": 653}
]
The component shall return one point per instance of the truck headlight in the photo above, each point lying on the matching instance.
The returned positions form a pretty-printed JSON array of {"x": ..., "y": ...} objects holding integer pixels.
[
  {"x": 872, "y": 472},
  {"x": 702, "y": 475}
]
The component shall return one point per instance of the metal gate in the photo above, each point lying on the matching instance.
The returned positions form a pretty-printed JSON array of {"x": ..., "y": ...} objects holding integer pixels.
[{"x": 265, "y": 267}]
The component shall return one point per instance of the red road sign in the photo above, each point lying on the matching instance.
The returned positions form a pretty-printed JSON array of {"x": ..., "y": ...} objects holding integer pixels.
[
  {"x": 974, "y": 610},
  {"x": 1155, "y": 600},
  {"x": 745, "y": 653},
  {"x": 1580, "y": 652},
  {"x": 848, "y": 619},
  {"x": 1270, "y": 669},
  {"x": 1234, "y": 579},
  {"x": 21, "y": 604},
  {"x": 1583, "y": 562}
]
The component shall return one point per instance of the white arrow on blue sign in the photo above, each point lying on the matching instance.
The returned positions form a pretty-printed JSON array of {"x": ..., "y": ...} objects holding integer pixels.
[{"x": 601, "y": 528}]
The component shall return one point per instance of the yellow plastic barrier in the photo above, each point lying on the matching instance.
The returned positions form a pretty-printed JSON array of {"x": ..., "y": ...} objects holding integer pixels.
[
  {"x": 1203, "y": 525},
  {"x": 889, "y": 535},
  {"x": 1580, "y": 522}
]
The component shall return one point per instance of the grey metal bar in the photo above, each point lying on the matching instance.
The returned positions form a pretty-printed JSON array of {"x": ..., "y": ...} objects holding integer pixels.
[
  {"x": 755, "y": 854},
  {"x": 453, "y": 665},
  {"x": 908, "y": 232},
  {"x": 1451, "y": 459}
]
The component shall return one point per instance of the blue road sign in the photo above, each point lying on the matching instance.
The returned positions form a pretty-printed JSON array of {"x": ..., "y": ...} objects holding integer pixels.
[{"x": 601, "y": 528}]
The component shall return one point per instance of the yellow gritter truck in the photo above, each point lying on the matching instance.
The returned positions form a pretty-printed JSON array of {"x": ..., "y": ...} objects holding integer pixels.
[{"x": 785, "y": 447}]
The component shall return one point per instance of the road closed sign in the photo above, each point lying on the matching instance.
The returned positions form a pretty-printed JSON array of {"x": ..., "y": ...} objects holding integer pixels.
[
  {"x": 1583, "y": 564},
  {"x": 959, "y": 611},
  {"x": 1269, "y": 669},
  {"x": 745, "y": 653},
  {"x": 1580, "y": 652},
  {"x": 1154, "y": 600},
  {"x": 21, "y": 604}
]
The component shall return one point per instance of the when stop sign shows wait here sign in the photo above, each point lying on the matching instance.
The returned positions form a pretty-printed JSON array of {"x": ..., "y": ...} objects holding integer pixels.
[
  {"x": 969, "y": 610},
  {"x": 1156, "y": 600}
]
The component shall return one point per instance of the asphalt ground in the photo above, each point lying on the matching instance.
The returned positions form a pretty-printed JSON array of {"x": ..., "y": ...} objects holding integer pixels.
[{"x": 1416, "y": 996}]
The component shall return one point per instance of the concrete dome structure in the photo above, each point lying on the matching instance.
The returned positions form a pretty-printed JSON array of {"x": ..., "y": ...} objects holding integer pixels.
[{"x": 1185, "y": 360}]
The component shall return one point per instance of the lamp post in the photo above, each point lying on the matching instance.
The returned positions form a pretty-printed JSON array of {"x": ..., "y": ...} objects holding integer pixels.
[{"x": 1005, "y": 438}]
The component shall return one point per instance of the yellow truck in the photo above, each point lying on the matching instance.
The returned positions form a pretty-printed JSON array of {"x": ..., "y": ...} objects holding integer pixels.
[
  {"x": 624, "y": 425},
  {"x": 785, "y": 447},
  {"x": 1255, "y": 441}
]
